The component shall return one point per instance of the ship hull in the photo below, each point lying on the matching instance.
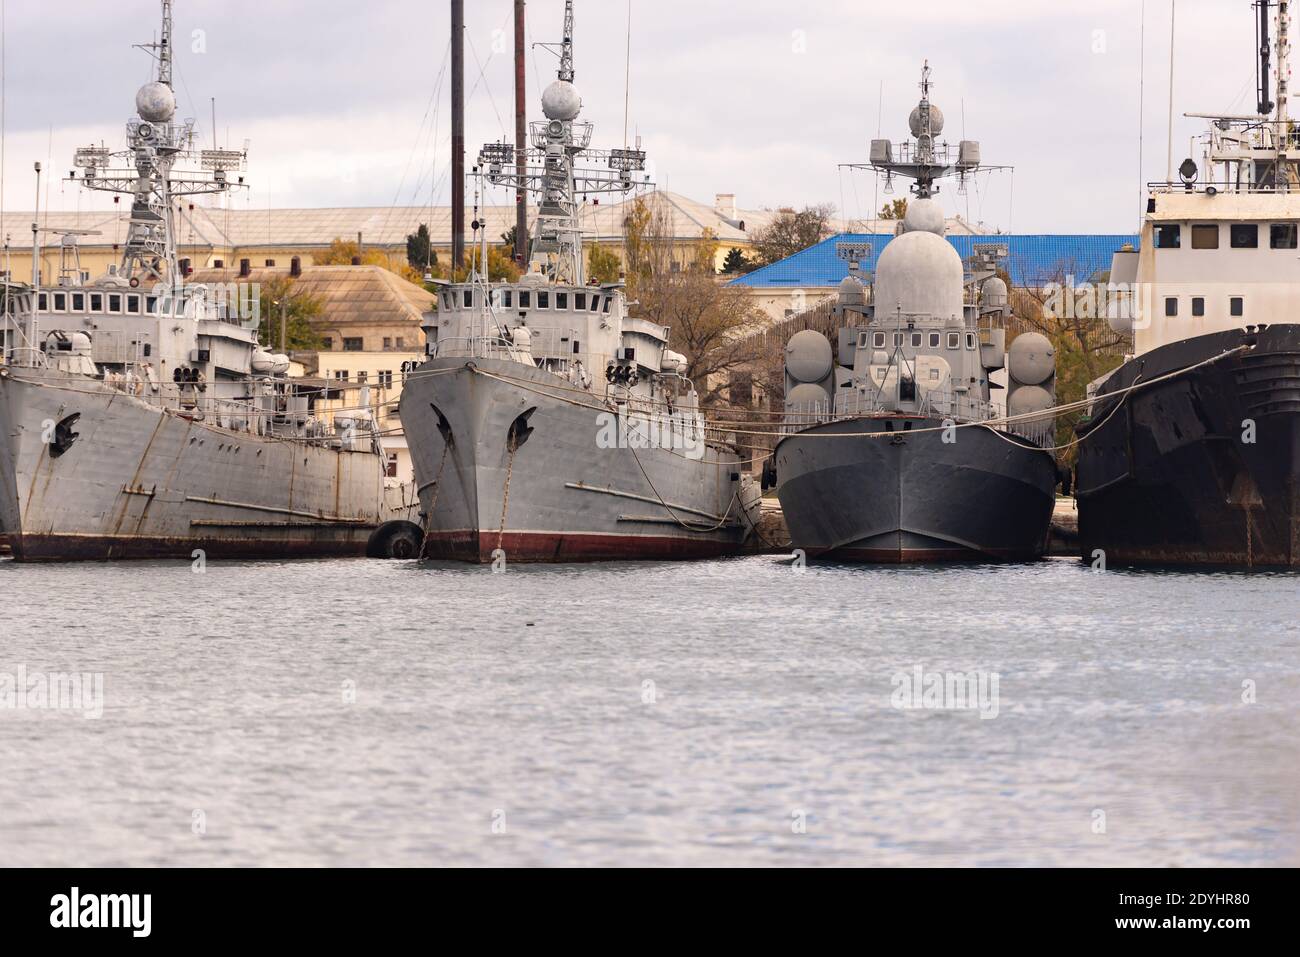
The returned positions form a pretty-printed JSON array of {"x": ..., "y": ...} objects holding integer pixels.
[
  {"x": 561, "y": 495},
  {"x": 1168, "y": 476},
  {"x": 141, "y": 483},
  {"x": 911, "y": 497}
]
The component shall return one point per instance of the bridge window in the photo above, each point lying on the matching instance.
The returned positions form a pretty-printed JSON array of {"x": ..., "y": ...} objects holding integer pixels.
[
  {"x": 133, "y": 303},
  {"x": 935, "y": 340},
  {"x": 1171, "y": 306},
  {"x": 1198, "y": 306},
  {"x": 508, "y": 298},
  {"x": 446, "y": 300},
  {"x": 898, "y": 339},
  {"x": 595, "y": 303},
  {"x": 580, "y": 301},
  {"x": 1205, "y": 237},
  {"x": 1244, "y": 236},
  {"x": 60, "y": 302},
  {"x": 114, "y": 302},
  {"x": 917, "y": 338},
  {"x": 954, "y": 340},
  {"x": 525, "y": 299},
  {"x": 561, "y": 300},
  {"x": 1282, "y": 235},
  {"x": 608, "y": 300},
  {"x": 970, "y": 340},
  {"x": 78, "y": 302},
  {"x": 543, "y": 300},
  {"x": 42, "y": 302},
  {"x": 1237, "y": 306},
  {"x": 1169, "y": 237},
  {"x": 878, "y": 340},
  {"x": 96, "y": 302},
  {"x": 468, "y": 298}
]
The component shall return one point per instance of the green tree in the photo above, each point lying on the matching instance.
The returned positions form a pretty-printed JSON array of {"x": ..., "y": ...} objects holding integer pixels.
[
  {"x": 420, "y": 254},
  {"x": 603, "y": 264},
  {"x": 278, "y": 296},
  {"x": 897, "y": 209},
  {"x": 736, "y": 263}
]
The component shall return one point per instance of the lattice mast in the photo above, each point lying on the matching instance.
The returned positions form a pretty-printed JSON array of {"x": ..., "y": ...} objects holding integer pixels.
[
  {"x": 550, "y": 170},
  {"x": 157, "y": 142}
]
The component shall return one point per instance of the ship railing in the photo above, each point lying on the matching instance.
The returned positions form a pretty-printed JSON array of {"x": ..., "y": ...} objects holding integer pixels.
[{"x": 663, "y": 428}]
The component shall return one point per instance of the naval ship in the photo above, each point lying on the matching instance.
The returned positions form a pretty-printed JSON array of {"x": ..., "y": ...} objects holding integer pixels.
[
  {"x": 1191, "y": 451},
  {"x": 894, "y": 450},
  {"x": 139, "y": 415},
  {"x": 548, "y": 424}
]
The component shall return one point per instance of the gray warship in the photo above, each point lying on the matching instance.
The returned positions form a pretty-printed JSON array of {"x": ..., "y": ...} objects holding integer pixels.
[
  {"x": 139, "y": 415},
  {"x": 893, "y": 448},
  {"x": 548, "y": 424}
]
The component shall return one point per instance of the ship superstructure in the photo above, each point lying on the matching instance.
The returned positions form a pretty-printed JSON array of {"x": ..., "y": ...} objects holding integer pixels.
[
  {"x": 548, "y": 423},
  {"x": 894, "y": 450},
  {"x": 1191, "y": 452},
  {"x": 140, "y": 416}
]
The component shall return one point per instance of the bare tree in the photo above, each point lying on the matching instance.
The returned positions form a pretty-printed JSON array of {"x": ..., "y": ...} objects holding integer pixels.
[{"x": 792, "y": 231}]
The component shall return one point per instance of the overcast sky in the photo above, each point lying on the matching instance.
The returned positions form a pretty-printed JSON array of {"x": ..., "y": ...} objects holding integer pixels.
[{"x": 346, "y": 102}]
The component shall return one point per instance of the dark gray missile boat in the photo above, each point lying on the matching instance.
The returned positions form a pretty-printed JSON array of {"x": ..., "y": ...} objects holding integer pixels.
[{"x": 895, "y": 451}]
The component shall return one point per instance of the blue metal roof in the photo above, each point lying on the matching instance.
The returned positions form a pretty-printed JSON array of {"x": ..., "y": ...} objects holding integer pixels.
[{"x": 1033, "y": 259}]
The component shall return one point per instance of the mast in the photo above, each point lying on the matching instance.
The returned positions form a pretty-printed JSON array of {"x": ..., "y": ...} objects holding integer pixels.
[
  {"x": 457, "y": 133},
  {"x": 156, "y": 142},
  {"x": 521, "y": 137},
  {"x": 566, "y": 46}
]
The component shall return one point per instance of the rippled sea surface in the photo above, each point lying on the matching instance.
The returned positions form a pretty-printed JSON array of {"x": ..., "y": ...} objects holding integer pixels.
[{"x": 736, "y": 712}]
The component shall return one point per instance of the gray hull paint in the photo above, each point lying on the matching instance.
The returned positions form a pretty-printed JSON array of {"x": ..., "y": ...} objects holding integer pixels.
[
  {"x": 139, "y": 482},
  {"x": 569, "y": 499},
  {"x": 912, "y": 497}
]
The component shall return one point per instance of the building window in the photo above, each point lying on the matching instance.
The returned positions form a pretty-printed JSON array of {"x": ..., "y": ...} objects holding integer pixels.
[
  {"x": 218, "y": 264},
  {"x": 401, "y": 343},
  {"x": 363, "y": 377},
  {"x": 341, "y": 375},
  {"x": 384, "y": 378},
  {"x": 327, "y": 343},
  {"x": 1168, "y": 237},
  {"x": 388, "y": 342},
  {"x": 1282, "y": 235},
  {"x": 1237, "y": 306},
  {"x": 1198, "y": 306},
  {"x": 352, "y": 345},
  {"x": 1171, "y": 306},
  {"x": 391, "y": 467},
  {"x": 270, "y": 264},
  {"x": 1205, "y": 237},
  {"x": 1244, "y": 236},
  {"x": 954, "y": 340}
]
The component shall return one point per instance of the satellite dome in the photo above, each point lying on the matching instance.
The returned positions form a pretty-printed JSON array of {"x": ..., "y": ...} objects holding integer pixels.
[
  {"x": 921, "y": 274},
  {"x": 936, "y": 121},
  {"x": 993, "y": 294},
  {"x": 155, "y": 102},
  {"x": 924, "y": 215},
  {"x": 560, "y": 101}
]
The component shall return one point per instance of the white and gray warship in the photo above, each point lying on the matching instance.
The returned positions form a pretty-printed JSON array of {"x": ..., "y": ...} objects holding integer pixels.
[
  {"x": 548, "y": 424},
  {"x": 1191, "y": 451},
  {"x": 140, "y": 417},
  {"x": 894, "y": 450}
]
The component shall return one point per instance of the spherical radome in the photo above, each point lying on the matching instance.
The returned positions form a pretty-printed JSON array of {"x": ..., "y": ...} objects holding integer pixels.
[
  {"x": 155, "y": 102},
  {"x": 1031, "y": 358},
  {"x": 1029, "y": 399},
  {"x": 561, "y": 101},
  {"x": 936, "y": 120},
  {"x": 808, "y": 356},
  {"x": 924, "y": 215}
]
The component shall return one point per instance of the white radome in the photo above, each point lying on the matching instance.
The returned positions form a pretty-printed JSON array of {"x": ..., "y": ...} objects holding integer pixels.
[
  {"x": 155, "y": 102},
  {"x": 924, "y": 215},
  {"x": 936, "y": 120},
  {"x": 561, "y": 101}
]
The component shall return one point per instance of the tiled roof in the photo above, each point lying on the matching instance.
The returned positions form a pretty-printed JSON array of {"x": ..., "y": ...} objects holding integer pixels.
[
  {"x": 1033, "y": 259},
  {"x": 348, "y": 293}
]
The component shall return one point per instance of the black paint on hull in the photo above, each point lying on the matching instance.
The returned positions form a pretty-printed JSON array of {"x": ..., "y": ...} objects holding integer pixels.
[
  {"x": 1171, "y": 478},
  {"x": 911, "y": 497}
]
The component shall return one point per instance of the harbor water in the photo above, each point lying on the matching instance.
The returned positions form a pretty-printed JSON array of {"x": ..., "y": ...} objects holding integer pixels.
[{"x": 737, "y": 712}]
